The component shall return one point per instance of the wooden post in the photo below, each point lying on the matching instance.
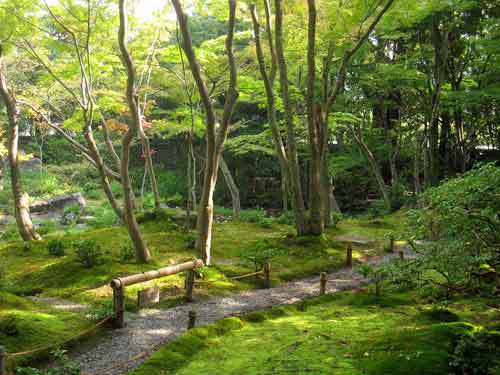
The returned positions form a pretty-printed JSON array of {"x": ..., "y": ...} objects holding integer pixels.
[
  {"x": 267, "y": 275},
  {"x": 322, "y": 283},
  {"x": 391, "y": 243},
  {"x": 191, "y": 319},
  {"x": 348, "y": 261},
  {"x": 190, "y": 275},
  {"x": 119, "y": 306},
  {"x": 401, "y": 255},
  {"x": 3, "y": 360}
]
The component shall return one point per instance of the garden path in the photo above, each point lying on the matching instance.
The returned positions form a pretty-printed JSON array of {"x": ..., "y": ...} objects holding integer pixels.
[{"x": 120, "y": 351}]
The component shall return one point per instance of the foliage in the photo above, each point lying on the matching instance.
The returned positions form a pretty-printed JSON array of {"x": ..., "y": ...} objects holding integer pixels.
[
  {"x": 477, "y": 353},
  {"x": 459, "y": 225},
  {"x": 260, "y": 253},
  {"x": 64, "y": 366},
  {"x": 89, "y": 253},
  {"x": 127, "y": 253},
  {"x": 56, "y": 247}
]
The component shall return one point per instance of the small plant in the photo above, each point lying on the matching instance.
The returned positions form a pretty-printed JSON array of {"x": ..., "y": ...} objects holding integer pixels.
[
  {"x": 26, "y": 247},
  {"x": 127, "y": 253},
  {"x": 8, "y": 326},
  {"x": 56, "y": 247},
  {"x": 63, "y": 366},
  {"x": 100, "y": 311},
  {"x": 89, "y": 253},
  {"x": 286, "y": 218},
  {"x": 476, "y": 353},
  {"x": 261, "y": 253}
]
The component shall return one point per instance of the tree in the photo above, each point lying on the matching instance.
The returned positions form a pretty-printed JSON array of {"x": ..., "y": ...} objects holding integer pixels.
[
  {"x": 215, "y": 137},
  {"x": 21, "y": 199},
  {"x": 142, "y": 252}
]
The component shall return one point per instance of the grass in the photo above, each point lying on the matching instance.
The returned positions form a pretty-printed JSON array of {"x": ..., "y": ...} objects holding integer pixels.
[
  {"x": 26, "y": 325},
  {"x": 344, "y": 334}
]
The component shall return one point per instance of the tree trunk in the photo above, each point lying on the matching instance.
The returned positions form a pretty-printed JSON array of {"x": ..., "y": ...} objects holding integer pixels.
[
  {"x": 146, "y": 147},
  {"x": 21, "y": 200},
  {"x": 416, "y": 165},
  {"x": 293, "y": 160},
  {"x": 233, "y": 188},
  {"x": 269, "y": 79},
  {"x": 317, "y": 196},
  {"x": 374, "y": 168},
  {"x": 191, "y": 180},
  {"x": 215, "y": 138},
  {"x": 142, "y": 252}
]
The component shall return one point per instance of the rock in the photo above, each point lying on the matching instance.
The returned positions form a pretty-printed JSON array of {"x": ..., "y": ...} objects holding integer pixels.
[
  {"x": 58, "y": 203},
  {"x": 30, "y": 164},
  {"x": 69, "y": 218}
]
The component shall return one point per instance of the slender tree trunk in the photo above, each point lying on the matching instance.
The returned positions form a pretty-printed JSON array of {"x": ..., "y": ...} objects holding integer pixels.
[
  {"x": 21, "y": 200},
  {"x": 191, "y": 180},
  {"x": 293, "y": 160},
  {"x": 374, "y": 168},
  {"x": 269, "y": 79},
  {"x": 99, "y": 164},
  {"x": 142, "y": 252},
  {"x": 146, "y": 147},
  {"x": 416, "y": 165},
  {"x": 215, "y": 138},
  {"x": 233, "y": 188}
]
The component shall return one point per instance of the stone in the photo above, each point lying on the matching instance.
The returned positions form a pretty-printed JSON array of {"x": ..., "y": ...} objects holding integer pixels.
[
  {"x": 149, "y": 296},
  {"x": 58, "y": 203}
]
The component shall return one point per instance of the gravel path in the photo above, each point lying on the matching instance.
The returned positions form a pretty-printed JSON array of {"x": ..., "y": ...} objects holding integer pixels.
[{"x": 123, "y": 350}]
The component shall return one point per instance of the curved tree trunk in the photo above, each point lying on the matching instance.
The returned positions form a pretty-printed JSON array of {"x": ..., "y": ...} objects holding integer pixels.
[
  {"x": 215, "y": 138},
  {"x": 233, "y": 188},
  {"x": 374, "y": 168},
  {"x": 141, "y": 250},
  {"x": 21, "y": 200}
]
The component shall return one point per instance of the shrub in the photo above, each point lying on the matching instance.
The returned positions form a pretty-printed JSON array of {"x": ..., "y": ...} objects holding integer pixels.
[
  {"x": 260, "y": 253},
  {"x": 252, "y": 216},
  {"x": 100, "y": 311},
  {"x": 10, "y": 233},
  {"x": 286, "y": 218},
  {"x": 56, "y": 247},
  {"x": 127, "y": 253},
  {"x": 460, "y": 226},
  {"x": 47, "y": 227},
  {"x": 477, "y": 353},
  {"x": 89, "y": 253},
  {"x": 63, "y": 366},
  {"x": 8, "y": 326}
]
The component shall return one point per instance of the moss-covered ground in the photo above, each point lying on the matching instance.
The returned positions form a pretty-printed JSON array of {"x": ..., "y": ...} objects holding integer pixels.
[
  {"x": 343, "y": 334},
  {"x": 31, "y": 270},
  {"x": 26, "y": 325}
]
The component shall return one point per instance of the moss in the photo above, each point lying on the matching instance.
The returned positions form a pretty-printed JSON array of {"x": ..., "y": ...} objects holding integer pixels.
[
  {"x": 32, "y": 326},
  {"x": 346, "y": 334}
]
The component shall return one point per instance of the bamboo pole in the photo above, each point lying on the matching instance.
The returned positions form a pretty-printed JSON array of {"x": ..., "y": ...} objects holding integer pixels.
[{"x": 155, "y": 274}]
